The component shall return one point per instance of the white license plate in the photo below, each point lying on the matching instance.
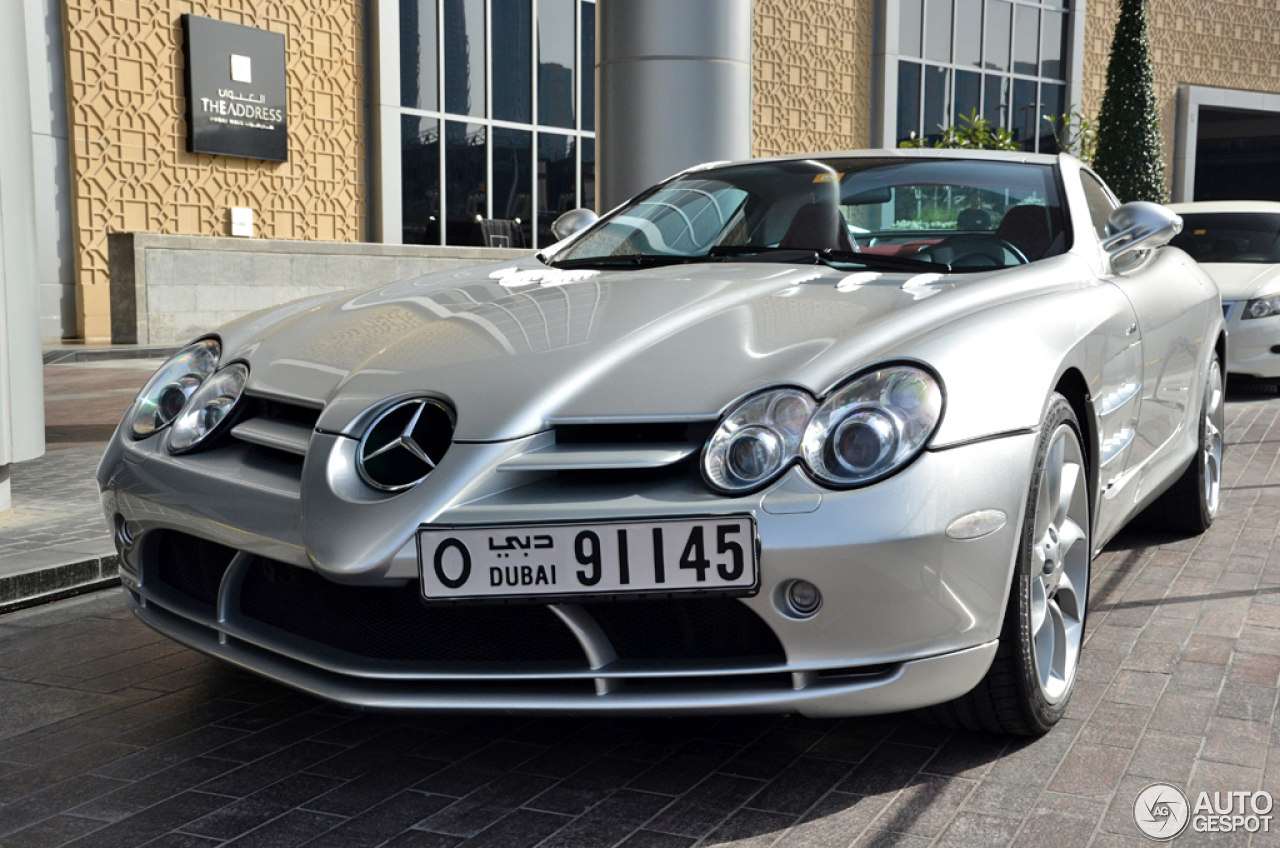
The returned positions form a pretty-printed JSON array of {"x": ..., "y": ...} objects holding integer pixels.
[{"x": 679, "y": 555}]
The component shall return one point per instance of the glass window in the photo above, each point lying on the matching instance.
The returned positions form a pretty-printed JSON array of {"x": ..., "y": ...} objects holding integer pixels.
[
  {"x": 995, "y": 103},
  {"x": 999, "y": 26},
  {"x": 1099, "y": 202},
  {"x": 588, "y": 173},
  {"x": 1026, "y": 41},
  {"x": 557, "y": 181},
  {"x": 466, "y": 153},
  {"x": 908, "y": 100},
  {"x": 910, "y": 27},
  {"x": 513, "y": 181},
  {"x": 555, "y": 62},
  {"x": 1026, "y": 113},
  {"x": 480, "y": 82},
  {"x": 587, "y": 68},
  {"x": 937, "y": 30},
  {"x": 420, "y": 180},
  {"x": 969, "y": 33},
  {"x": 886, "y": 207},
  {"x": 936, "y": 102},
  {"x": 1053, "y": 52},
  {"x": 1243, "y": 237},
  {"x": 464, "y": 57},
  {"x": 1053, "y": 101},
  {"x": 512, "y": 67},
  {"x": 968, "y": 95},
  {"x": 419, "y": 66}
]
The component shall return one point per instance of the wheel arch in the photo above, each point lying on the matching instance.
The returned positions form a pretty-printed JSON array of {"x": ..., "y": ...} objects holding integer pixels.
[{"x": 1073, "y": 386}]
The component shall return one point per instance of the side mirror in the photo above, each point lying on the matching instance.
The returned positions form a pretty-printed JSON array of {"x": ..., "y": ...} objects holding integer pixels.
[
  {"x": 573, "y": 221},
  {"x": 1140, "y": 226}
]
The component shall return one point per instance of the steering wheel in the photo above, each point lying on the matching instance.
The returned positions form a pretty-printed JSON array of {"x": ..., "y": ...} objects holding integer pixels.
[{"x": 975, "y": 251}]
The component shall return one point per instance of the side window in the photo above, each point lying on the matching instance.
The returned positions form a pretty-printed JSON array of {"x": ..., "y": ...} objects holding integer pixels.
[{"x": 1100, "y": 204}]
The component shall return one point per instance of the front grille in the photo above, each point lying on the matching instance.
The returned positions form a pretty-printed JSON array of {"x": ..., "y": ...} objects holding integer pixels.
[
  {"x": 394, "y": 624},
  {"x": 277, "y": 427},
  {"x": 191, "y": 566},
  {"x": 693, "y": 629}
]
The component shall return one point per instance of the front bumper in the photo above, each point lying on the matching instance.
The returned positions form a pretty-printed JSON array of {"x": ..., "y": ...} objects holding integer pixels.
[
  {"x": 909, "y": 618},
  {"x": 1249, "y": 349}
]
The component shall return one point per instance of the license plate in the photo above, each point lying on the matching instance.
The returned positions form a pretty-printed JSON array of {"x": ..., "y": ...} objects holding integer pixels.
[{"x": 634, "y": 557}]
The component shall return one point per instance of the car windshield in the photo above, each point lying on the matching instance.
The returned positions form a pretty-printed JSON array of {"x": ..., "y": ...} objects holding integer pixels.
[
  {"x": 954, "y": 214},
  {"x": 1246, "y": 237}
]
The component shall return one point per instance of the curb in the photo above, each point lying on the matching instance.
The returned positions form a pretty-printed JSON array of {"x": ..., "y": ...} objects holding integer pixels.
[
  {"x": 64, "y": 355},
  {"x": 54, "y": 583}
]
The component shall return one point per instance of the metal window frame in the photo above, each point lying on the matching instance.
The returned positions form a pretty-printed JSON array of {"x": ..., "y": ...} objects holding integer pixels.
[
  {"x": 385, "y": 83},
  {"x": 887, "y": 22}
]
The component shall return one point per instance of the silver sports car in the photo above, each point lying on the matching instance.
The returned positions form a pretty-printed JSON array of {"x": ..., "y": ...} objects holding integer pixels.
[{"x": 835, "y": 434}]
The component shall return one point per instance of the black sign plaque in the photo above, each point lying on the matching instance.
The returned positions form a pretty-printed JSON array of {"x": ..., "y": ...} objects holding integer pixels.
[{"x": 237, "y": 103}]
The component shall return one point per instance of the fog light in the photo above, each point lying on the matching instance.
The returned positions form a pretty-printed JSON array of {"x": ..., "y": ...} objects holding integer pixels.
[{"x": 803, "y": 598}]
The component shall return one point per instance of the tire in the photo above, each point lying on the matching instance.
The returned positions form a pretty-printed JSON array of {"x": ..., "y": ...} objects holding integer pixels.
[
  {"x": 1027, "y": 688},
  {"x": 1191, "y": 503}
]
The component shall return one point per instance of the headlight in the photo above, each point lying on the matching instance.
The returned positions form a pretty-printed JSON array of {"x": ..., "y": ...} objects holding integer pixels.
[
  {"x": 757, "y": 440},
  {"x": 164, "y": 395},
  {"x": 872, "y": 426},
  {"x": 1261, "y": 307},
  {"x": 210, "y": 406}
]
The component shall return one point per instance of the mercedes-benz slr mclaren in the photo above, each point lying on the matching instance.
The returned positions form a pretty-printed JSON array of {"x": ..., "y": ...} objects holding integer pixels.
[{"x": 834, "y": 434}]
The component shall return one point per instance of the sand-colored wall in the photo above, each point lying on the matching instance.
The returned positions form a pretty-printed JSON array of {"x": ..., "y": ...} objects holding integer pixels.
[
  {"x": 812, "y": 65},
  {"x": 1222, "y": 43},
  {"x": 130, "y": 170}
]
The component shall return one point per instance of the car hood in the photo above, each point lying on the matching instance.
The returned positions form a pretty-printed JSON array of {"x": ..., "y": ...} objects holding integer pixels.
[
  {"x": 518, "y": 346},
  {"x": 1242, "y": 280}
]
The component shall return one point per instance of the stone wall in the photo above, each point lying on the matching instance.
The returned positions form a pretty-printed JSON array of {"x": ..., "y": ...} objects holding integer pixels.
[
  {"x": 167, "y": 289},
  {"x": 812, "y": 75},
  {"x": 1224, "y": 43},
  {"x": 130, "y": 170}
]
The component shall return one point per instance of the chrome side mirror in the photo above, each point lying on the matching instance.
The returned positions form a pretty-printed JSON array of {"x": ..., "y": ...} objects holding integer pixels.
[
  {"x": 573, "y": 221},
  {"x": 1139, "y": 226}
]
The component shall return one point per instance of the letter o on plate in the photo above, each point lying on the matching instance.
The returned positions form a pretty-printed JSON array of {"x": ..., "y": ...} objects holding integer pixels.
[{"x": 466, "y": 563}]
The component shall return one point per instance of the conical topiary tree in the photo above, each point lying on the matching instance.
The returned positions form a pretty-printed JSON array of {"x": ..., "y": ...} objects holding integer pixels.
[{"x": 1130, "y": 150}]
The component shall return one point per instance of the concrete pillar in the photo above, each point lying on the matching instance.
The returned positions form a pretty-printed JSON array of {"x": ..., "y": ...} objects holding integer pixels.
[
  {"x": 21, "y": 380},
  {"x": 673, "y": 89}
]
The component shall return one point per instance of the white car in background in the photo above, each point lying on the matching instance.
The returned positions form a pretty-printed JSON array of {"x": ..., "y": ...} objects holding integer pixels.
[{"x": 1237, "y": 242}]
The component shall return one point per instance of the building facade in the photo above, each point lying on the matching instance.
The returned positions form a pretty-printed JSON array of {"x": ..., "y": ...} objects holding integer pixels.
[{"x": 430, "y": 133}]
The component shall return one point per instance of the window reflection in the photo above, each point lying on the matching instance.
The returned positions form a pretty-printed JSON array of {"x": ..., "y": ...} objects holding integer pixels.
[
  {"x": 512, "y": 48},
  {"x": 464, "y": 57},
  {"x": 513, "y": 183},
  {"x": 556, "y": 34},
  {"x": 557, "y": 182},
  {"x": 588, "y": 174},
  {"x": 419, "y": 80},
  {"x": 937, "y": 30},
  {"x": 908, "y": 100},
  {"x": 465, "y": 155},
  {"x": 420, "y": 180},
  {"x": 969, "y": 33},
  {"x": 473, "y": 163}
]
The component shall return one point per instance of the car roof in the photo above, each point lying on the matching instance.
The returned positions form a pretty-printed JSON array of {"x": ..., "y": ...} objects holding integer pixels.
[
  {"x": 903, "y": 153},
  {"x": 1227, "y": 206}
]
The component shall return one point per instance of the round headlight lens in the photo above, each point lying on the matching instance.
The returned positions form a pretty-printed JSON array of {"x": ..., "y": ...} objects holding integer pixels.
[
  {"x": 164, "y": 395},
  {"x": 872, "y": 426},
  {"x": 757, "y": 440},
  {"x": 207, "y": 409}
]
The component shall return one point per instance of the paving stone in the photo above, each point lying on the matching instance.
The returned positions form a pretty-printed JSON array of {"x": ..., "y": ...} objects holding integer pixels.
[
  {"x": 700, "y": 809},
  {"x": 926, "y": 806},
  {"x": 800, "y": 785}
]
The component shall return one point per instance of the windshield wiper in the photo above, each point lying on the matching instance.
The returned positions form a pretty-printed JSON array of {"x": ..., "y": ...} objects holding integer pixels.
[
  {"x": 886, "y": 263},
  {"x": 627, "y": 260},
  {"x": 766, "y": 253}
]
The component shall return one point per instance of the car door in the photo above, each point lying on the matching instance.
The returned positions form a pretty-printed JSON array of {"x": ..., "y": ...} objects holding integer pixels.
[{"x": 1169, "y": 303}]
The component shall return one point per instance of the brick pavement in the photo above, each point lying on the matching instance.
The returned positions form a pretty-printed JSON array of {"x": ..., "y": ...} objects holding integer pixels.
[{"x": 111, "y": 735}]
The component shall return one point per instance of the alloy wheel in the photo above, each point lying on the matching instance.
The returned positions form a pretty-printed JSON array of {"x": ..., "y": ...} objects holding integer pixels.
[{"x": 1060, "y": 565}]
